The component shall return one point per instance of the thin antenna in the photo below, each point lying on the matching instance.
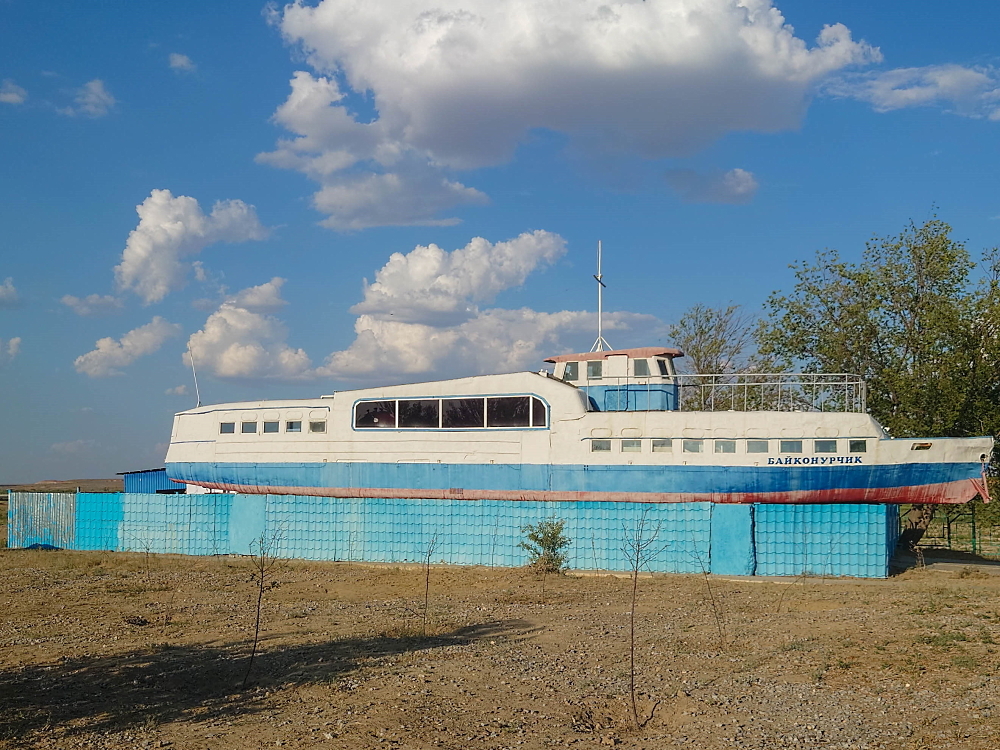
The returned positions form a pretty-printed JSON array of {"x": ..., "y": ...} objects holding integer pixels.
[
  {"x": 197, "y": 393},
  {"x": 601, "y": 344}
]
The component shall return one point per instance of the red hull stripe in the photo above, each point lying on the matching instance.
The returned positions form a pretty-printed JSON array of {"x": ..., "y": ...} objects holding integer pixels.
[{"x": 945, "y": 492}]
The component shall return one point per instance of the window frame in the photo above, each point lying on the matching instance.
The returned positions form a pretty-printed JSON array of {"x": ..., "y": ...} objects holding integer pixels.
[{"x": 537, "y": 407}]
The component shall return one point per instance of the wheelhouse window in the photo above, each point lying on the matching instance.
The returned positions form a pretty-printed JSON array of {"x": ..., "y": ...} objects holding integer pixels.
[
  {"x": 594, "y": 369},
  {"x": 571, "y": 371},
  {"x": 271, "y": 427},
  {"x": 662, "y": 365},
  {"x": 248, "y": 428},
  {"x": 317, "y": 426},
  {"x": 375, "y": 414},
  {"x": 641, "y": 368},
  {"x": 857, "y": 446},
  {"x": 663, "y": 445},
  {"x": 631, "y": 446},
  {"x": 293, "y": 426},
  {"x": 725, "y": 446},
  {"x": 457, "y": 413},
  {"x": 824, "y": 446},
  {"x": 600, "y": 446},
  {"x": 227, "y": 428},
  {"x": 757, "y": 446},
  {"x": 418, "y": 413},
  {"x": 791, "y": 446}
]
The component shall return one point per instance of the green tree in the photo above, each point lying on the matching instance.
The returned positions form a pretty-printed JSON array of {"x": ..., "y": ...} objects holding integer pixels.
[
  {"x": 544, "y": 543},
  {"x": 714, "y": 340},
  {"x": 912, "y": 320}
]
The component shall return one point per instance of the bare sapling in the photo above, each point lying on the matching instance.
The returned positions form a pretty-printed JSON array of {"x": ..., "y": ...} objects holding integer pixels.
[
  {"x": 263, "y": 567},
  {"x": 544, "y": 544},
  {"x": 641, "y": 548},
  {"x": 716, "y": 611},
  {"x": 427, "y": 578}
]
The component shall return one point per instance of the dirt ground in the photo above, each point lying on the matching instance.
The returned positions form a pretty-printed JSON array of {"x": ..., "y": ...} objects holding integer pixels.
[{"x": 101, "y": 650}]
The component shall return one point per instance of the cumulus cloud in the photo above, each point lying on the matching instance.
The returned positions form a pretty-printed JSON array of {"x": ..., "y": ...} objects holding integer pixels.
[
  {"x": 239, "y": 340},
  {"x": 264, "y": 298},
  {"x": 9, "y": 350},
  {"x": 972, "y": 92},
  {"x": 431, "y": 285},
  {"x": 92, "y": 304},
  {"x": 8, "y": 293},
  {"x": 458, "y": 85},
  {"x": 181, "y": 63},
  {"x": 734, "y": 186},
  {"x": 180, "y": 390},
  {"x": 171, "y": 229},
  {"x": 109, "y": 355},
  {"x": 493, "y": 341},
  {"x": 91, "y": 100},
  {"x": 11, "y": 93}
]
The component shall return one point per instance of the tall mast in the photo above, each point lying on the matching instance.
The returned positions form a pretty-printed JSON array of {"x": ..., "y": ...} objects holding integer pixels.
[{"x": 601, "y": 344}]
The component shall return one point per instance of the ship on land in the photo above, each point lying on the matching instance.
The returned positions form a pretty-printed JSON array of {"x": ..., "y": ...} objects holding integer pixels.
[{"x": 604, "y": 426}]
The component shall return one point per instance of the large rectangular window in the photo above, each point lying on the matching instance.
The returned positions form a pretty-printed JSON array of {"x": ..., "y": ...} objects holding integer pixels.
[
  {"x": 572, "y": 371},
  {"x": 594, "y": 369},
  {"x": 508, "y": 411},
  {"x": 421, "y": 413},
  {"x": 641, "y": 368},
  {"x": 462, "y": 412},
  {"x": 375, "y": 414}
]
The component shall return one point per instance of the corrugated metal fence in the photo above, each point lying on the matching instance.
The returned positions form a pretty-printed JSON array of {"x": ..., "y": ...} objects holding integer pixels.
[{"x": 852, "y": 540}]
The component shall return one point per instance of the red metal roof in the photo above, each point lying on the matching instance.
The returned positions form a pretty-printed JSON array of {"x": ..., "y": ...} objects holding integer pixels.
[{"x": 639, "y": 353}]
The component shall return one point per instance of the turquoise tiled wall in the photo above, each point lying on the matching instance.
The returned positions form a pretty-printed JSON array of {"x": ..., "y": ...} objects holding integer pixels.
[{"x": 780, "y": 540}]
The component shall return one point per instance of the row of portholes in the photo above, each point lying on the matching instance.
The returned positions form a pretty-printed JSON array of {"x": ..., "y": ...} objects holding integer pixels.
[
  {"x": 271, "y": 427},
  {"x": 688, "y": 445}
]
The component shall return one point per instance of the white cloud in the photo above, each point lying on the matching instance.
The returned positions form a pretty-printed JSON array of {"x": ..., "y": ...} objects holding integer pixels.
[
  {"x": 419, "y": 317},
  {"x": 11, "y": 93},
  {"x": 458, "y": 85},
  {"x": 8, "y": 293},
  {"x": 493, "y": 341},
  {"x": 734, "y": 186},
  {"x": 240, "y": 342},
  {"x": 430, "y": 285},
  {"x": 180, "y": 390},
  {"x": 171, "y": 229},
  {"x": 9, "y": 350},
  {"x": 92, "y": 100},
  {"x": 109, "y": 355},
  {"x": 181, "y": 63},
  {"x": 972, "y": 92},
  {"x": 92, "y": 304},
  {"x": 264, "y": 298}
]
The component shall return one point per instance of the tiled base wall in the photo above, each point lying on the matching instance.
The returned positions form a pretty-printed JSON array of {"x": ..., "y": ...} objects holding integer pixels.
[{"x": 785, "y": 540}]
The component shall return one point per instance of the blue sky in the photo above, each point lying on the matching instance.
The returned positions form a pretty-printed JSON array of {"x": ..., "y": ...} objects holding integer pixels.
[{"x": 463, "y": 157}]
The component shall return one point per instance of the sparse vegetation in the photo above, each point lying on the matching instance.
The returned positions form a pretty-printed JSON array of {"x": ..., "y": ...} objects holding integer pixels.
[{"x": 545, "y": 543}]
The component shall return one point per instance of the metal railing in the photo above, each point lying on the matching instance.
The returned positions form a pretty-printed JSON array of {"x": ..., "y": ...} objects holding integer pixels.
[{"x": 773, "y": 392}]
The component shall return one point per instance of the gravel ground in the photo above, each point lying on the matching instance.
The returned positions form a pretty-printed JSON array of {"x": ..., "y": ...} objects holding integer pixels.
[{"x": 119, "y": 651}]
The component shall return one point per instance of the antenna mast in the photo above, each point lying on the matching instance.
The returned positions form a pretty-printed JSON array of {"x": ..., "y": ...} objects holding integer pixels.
[
  {"x": 197, "y": 393},
  {"x": 601, "y": 344}
]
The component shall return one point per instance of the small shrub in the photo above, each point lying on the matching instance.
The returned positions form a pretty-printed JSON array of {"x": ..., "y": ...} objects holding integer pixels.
[{"x": 545, "y": 544}]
